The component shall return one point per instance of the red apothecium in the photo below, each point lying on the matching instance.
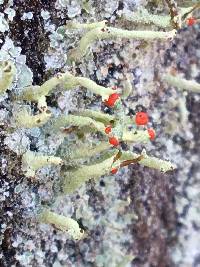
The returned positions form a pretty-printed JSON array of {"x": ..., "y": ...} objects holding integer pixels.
[
  {"x": 112, "y": 99},
  {"x": 141, "y": 118}
]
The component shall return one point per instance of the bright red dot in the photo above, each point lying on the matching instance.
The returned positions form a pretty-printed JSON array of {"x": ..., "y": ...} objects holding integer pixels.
[
  {"x": 114, "y": 141},
  {"x": 112, "y": 99},
  {"x": 114, "y": 170},
  {"x": 141, "y": 118},
  {"x": 108, "y": 129},
  {"x": 152, "y": 134},
  {"x": 191, "y": 21}
]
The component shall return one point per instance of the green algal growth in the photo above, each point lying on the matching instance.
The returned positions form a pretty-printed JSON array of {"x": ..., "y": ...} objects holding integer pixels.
[{"x": 63, "y": 223}]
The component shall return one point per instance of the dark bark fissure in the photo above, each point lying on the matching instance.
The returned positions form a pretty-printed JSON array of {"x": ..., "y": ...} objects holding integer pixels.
[
  {"x": 10, "y": 177},
  {"x": 30, "y": 34},
  {"x": 153, "y": 202}
]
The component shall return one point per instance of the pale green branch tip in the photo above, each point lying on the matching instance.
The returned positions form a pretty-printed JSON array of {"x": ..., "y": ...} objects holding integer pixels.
[
  {"x": 7, "y": 75},
  {"x": 63, "y": 223},
  {"x": 181, "y": 83},
  {"x": 111, "y": 33},
  {"x": 66, "y": 81}
]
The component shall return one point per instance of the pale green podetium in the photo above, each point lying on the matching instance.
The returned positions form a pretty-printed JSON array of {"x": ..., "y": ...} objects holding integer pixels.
[
  {"x": 38, "y": 93},
  {"x": 111, "y": 33},
  {"x": 85, "y": 26},
  {"x": 72, "y": 180},
  {"x": 142, "y": 16},
  {"x": 84, "y": 151},
  {"x": 7, "y": 75},
  {"x": 66, "y": 81},
  {"x": 72, "y": 120},
  {"x": 90, "y": 125},
  {"x": 127, "y": 87},
  {"x": 32, "y": 161},
  {"x": 106, "y": 119},
  {"x": 96, "y": 115},
  {"x": 181, "y": 83},
  {"x": 63, "y": 223},
  {"x": 149, "y": 161},
  {"x": 25, "y": 120},
  {"x": 136, "y": 136}
]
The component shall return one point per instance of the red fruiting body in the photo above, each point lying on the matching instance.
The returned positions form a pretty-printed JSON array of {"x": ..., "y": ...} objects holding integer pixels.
[
  {"x": 141, "y": 118},
  {"x": 152, "y": 134},
  {"x": 111, "y": 100},
  {"x": 114, "y": 170},
  {"x": 108, "y": 129},
  {"x": 191, "y": 21},
  {"x": 114, "y": 141}
]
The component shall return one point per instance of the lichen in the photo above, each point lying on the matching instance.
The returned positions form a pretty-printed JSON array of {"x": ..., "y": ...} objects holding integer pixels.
[
  {"x": 111, "y": 33},
  {"x": 142, "y": 16},
  {"x": 50, "y": 133},
  {"x": 31, "y": 162},
  {"x": 7, "y": 75},
  {"x": 181, "y": 83},
  {"x": 63, "y": 223}
]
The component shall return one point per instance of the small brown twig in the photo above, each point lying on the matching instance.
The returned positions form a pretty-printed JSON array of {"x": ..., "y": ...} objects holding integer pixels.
[
  {"x": 117, "y": 156},
  {"x": 131, "y": 161},
  {"x": 70, "y": 129},
  {"x": 173, "y": 10}
]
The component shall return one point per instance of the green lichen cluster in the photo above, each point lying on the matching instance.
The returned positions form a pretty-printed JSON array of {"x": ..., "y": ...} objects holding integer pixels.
[
  {"x": 84, "y": 161},
  {"x": 101, "y": 157}
]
